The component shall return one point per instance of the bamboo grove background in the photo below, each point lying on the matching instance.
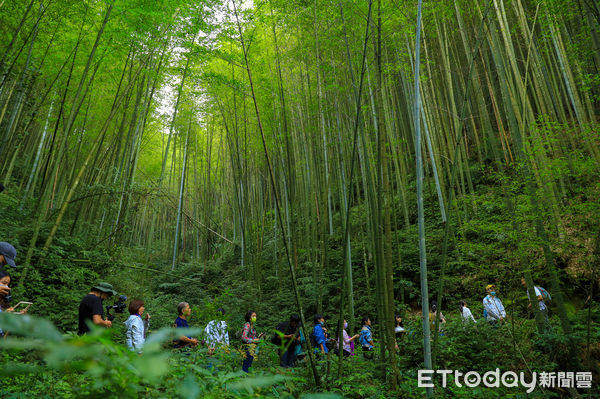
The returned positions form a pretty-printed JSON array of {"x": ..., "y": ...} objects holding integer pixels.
[{"x": 135, "y": 124}]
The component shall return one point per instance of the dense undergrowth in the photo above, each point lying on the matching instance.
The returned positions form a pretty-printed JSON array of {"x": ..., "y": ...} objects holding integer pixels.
[{"x": 52, "y": 362}]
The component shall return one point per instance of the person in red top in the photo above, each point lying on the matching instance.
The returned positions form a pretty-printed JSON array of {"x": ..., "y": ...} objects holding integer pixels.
[{"x": 250, "y": 339}]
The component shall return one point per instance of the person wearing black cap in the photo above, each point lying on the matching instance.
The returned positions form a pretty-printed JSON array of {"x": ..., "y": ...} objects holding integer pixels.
[
  {"x": 91, "y": 307},
  {"x": 8, "y": 253}
]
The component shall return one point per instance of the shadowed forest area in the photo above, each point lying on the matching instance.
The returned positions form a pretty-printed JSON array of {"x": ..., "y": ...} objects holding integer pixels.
[{"x": 409, "y": 162}]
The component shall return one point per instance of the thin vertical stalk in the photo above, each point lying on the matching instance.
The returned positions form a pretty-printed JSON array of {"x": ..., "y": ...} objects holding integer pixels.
[
  {"x": 421, "y": 213},
  {"x": 180, "y": 203},
  {"x": 276, "y": 197}
]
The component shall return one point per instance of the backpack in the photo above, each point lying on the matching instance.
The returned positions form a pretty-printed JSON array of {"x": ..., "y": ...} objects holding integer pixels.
[
  {"x": 313, "y": 339},
  {"x": 279, "y": 332},
  {"x": 545, "y": 295},
  {"x": 239, "y": 333},
  {"x": 363, "y": 336}
]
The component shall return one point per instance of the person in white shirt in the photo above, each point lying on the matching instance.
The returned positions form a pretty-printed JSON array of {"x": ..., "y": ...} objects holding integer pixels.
[
  {"x": 465, "y": 313},
  {"x": 137, "y": 327},
  {"x": 216, "y": 333},
  {"x": 539, "y": 297},
  {"x": 492, "y": 305}
]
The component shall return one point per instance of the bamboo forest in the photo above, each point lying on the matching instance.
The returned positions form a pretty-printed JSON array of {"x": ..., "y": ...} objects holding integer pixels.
[{"x": 307, "y": 199}]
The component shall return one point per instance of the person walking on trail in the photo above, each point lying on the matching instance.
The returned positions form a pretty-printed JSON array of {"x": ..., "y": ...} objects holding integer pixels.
[
  {"x": 399, "y": 330},
  {"x": 433, "y": 316},
  {"x": 366, "y": 338},
  {"x": 250, "y": 339},
  {"x": 216, "y": 333},
  {"x": 288, "y": 339},
  {"x": 91, "y": 308},
  {"x": 183, "y": 313},
  {"x": 540, "y": 293},
  {"x": 137, "y": 327},
  {"x": 465, "y": 314},
  {"x": 492, "y": 306},
  {"x": 320, "y": 335},
  {"x": 347, "y": 341}
]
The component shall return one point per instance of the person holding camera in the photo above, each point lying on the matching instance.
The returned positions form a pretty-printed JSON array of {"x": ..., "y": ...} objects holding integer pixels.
[
  {"x": 91, "y": 307},
  {"x": 6, "y": 298},
  {"x": 4, "y": 290},
  {"x": 8, "y": 253}
]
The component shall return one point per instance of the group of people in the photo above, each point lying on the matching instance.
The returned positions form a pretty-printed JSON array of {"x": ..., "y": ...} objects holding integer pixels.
[
  {"x": 289, "y": 336},
  {"x": 493, "y": 309}
]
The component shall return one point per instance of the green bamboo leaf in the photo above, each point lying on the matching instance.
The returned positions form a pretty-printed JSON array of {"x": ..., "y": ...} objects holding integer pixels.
[
  {"x": 28, "y": 344},
  {"x": 250, "y": 384},
  {"x": 16, "y": 369},
  {"x": 189, "y": 389},
  {"x": 30, "y": 326},
  {"x": 152, "y": 367},
  {"x": 167, "y": 334}
]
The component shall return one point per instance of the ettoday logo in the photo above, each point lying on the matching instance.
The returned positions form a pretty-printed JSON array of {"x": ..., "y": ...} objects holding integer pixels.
[{"x": 509, "y": 379}]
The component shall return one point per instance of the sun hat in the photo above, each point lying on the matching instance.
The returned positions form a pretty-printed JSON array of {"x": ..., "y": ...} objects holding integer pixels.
[{"x": 105, "y": 287}]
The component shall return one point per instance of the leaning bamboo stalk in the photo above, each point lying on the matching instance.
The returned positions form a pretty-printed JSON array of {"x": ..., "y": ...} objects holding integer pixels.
[
  {"x": 357, "y": 124},
  {"x": 276, "y": 197}
]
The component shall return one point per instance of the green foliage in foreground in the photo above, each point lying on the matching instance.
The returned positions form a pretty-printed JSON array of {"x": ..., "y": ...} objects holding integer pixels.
[
  {"x": 38, "y": 361},
  {"x": 41, "y": 362}
]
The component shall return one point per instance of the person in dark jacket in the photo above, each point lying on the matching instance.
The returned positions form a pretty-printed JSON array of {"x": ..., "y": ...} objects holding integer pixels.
[{"x": 289, "y": 341}]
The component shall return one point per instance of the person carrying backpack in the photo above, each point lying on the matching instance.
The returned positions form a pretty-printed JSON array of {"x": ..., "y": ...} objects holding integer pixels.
[
  {"x": 287, "y": 339},
  {"x": 318, "y": 336},
  {"x": 366, "y": 338},
  {"x": 542, "y": 296},
  {"x": 216, "y": 333},
  {"x": 492, "y": 306},
  {"x": 250, "y": 339}
]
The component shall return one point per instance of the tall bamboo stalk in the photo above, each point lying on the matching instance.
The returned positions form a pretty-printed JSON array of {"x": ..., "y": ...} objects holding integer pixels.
[{"x": 421, "y": 213}]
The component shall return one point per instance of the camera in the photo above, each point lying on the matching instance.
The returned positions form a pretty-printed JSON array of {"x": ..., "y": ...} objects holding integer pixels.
[
  {"x": 7, "y": 297},
  {"x": 119, "y": 306}
]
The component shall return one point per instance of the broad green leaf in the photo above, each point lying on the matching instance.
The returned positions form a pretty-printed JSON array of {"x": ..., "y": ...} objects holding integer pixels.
[
  {"x": 189, "y": 389},
  {"x": 29, "y": 326},
  {"x": 250, "y": 384}
]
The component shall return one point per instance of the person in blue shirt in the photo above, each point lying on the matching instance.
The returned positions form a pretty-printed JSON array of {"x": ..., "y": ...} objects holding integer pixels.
[
  {"x": 319, "y": 334},
  {"x": 492, "y": 305},
  {"x": 184, "y": 311},
  {"x": 366, "y": 338}
]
